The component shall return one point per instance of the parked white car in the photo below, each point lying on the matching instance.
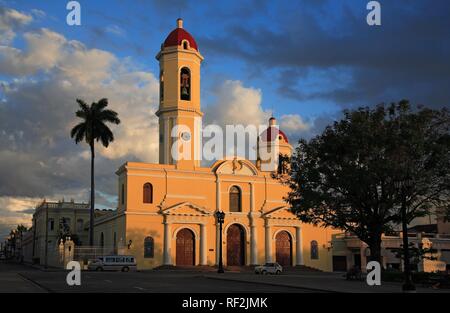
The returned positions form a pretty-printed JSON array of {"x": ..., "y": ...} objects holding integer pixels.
[
  {"x": 269, "y": 268},
  {"x": 124, "y": 263}
]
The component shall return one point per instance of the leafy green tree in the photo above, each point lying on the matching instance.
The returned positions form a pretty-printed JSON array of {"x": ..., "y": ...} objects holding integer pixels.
[
  {"x": 93, "y": 128},
  {"x": 351, "y": 177}
]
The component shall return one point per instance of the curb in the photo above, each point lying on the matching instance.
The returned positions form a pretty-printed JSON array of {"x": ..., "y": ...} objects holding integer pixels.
[
  {"x": 273, "y": 284},
  {"x": 36, "y": 284}
]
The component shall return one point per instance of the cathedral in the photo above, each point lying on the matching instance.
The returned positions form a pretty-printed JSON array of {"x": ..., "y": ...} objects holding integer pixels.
[{"x": 166, "y": 211}]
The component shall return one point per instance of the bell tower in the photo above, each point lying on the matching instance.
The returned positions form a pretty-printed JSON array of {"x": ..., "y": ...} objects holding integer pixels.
[
  {"x": 273, "y": 143},
  {"x": 179, "y": 102}
]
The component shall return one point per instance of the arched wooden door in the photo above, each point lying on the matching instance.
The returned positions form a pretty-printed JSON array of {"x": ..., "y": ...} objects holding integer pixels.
[
  {"x": 235, "y": 245},
  {"x": 185, "y": 254},
  {"x": 284, "y": 248}
]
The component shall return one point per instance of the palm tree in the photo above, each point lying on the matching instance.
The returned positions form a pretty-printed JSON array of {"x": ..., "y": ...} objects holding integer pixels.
[{"x": 93, "y": 128}]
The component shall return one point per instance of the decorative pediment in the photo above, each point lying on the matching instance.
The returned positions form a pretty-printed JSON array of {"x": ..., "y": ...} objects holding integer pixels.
[
  {"x": 235, "y": 166},
  {"x": 282, "y": 212},
  {"x": 186, "y": 209}
]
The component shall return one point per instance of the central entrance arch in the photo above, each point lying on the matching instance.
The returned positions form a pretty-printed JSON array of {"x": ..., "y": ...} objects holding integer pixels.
[
  {"x": 284, "y": 248},
  {"x": 185, "y": 254},
  {"x": 235, "y": 245}
]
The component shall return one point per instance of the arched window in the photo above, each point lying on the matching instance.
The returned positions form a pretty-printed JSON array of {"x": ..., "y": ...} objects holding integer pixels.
[
  {"x": 149, "y": 247},
  {"x": 161, "y": 85},
  {"x": 122, "y": 194},
  {"x": 185, "y": 84},
  {"x": 148, "y": 193},
  {"x": 314, "y": 250},
  {"x": 185, "y": 45},
  {"x": 51, "y": 224},
  {"x": 235, "y": 199},
  {"x": 64, "y": 226},
  {"x": 102, "y": 240}
]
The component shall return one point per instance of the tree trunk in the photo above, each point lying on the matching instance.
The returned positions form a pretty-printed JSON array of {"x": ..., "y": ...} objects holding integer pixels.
[
  {"x": 375, "y": 249},
  {"x": 92, "y": 211}
]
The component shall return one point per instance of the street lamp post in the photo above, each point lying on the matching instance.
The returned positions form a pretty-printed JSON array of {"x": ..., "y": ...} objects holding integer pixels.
[
  {"x": 220, "y": 219},
  {"x": 408, "y": 285}
]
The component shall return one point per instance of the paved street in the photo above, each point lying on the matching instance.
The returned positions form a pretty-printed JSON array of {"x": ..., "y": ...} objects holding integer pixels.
[
  {"x": 21, "y": 278},
  {"x": 11, "y": 281},
  {"x": 17, "y": 278}
]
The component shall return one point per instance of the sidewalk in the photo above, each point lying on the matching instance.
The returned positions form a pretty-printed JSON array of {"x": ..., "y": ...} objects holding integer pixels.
[
  {"x": 12, "y": 282},
  {"x": 42, "y": 267},
  {"x": 320, "y": 282}
]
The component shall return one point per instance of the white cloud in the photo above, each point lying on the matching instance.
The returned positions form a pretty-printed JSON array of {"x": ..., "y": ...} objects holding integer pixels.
[
  {"x": 15, "y": 211},
  {"x": 293, "y": 124},
  {"x": 115, "y": 30},
  {"x": 43, "y": 79},
  {"x": 38, "y": 13},
  {"x": 10, "y": 21},
  {"x": 237, "y": 104},
  {"x": 17, "y": 205},
  {"x": 90, "y": 74},
  {"x": 49, "y": 51}
]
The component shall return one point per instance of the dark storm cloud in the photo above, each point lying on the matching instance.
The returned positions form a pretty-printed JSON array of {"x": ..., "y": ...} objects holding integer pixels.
[{"x": 407, "y": 57}]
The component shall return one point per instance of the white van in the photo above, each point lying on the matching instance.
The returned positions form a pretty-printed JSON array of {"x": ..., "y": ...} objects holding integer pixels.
[{"x": 124, "y": 263}]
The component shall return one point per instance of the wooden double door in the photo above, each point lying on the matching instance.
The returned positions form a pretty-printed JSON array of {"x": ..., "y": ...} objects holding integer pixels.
[
  {"x": 185, "y": 253},
  {"x": 235, "y": 245},
  {"x": 284, "y": 248}
]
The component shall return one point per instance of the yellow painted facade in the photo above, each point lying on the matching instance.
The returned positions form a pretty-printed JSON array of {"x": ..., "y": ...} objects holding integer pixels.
[{"x": 185, "y": 195}]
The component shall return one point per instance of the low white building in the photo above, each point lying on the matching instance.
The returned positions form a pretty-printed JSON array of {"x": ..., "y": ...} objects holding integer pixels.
[
  {"x": 349, "y": 251},
  {"x": 52, "y": 221}
]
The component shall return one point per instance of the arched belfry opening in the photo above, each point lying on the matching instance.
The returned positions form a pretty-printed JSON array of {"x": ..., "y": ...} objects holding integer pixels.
[{"x": 185, "y": 84}]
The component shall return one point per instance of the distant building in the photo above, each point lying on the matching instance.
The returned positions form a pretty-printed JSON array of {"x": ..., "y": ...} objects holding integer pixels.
[
  {"x": 349, "y": 251},
  {"x": 26, "y": 250},
  {"x": 443, "y": 226},
  {"x": 53, "y": 221}
]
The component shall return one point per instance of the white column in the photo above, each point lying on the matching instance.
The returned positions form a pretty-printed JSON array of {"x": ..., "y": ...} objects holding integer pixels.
[
  {"x": 217, "y": 194},
  {"x": 166, "y": 140},
  {"x": 252, "y": 197},
  {"x": 167, "y": 254},
  {"x": 253, "y": 244},
  {"x": 203, "y": 245},
  {"x": 298, "y": 246},
  {"x": 268, "y": 230},
  {"x": 174, "y": 122}
]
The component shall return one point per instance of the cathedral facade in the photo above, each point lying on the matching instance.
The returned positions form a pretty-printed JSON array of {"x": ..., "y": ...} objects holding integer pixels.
[{"x": 166, "y": 211}]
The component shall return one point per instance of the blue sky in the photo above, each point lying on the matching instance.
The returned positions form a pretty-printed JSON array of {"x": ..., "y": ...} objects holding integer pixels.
[
  {"x": 135, "y": 29},
  {"x": 306, "y": 59}
]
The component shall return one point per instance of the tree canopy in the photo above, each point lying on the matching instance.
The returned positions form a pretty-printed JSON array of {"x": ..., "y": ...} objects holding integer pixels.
[{"x": 348, "y": 177}]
